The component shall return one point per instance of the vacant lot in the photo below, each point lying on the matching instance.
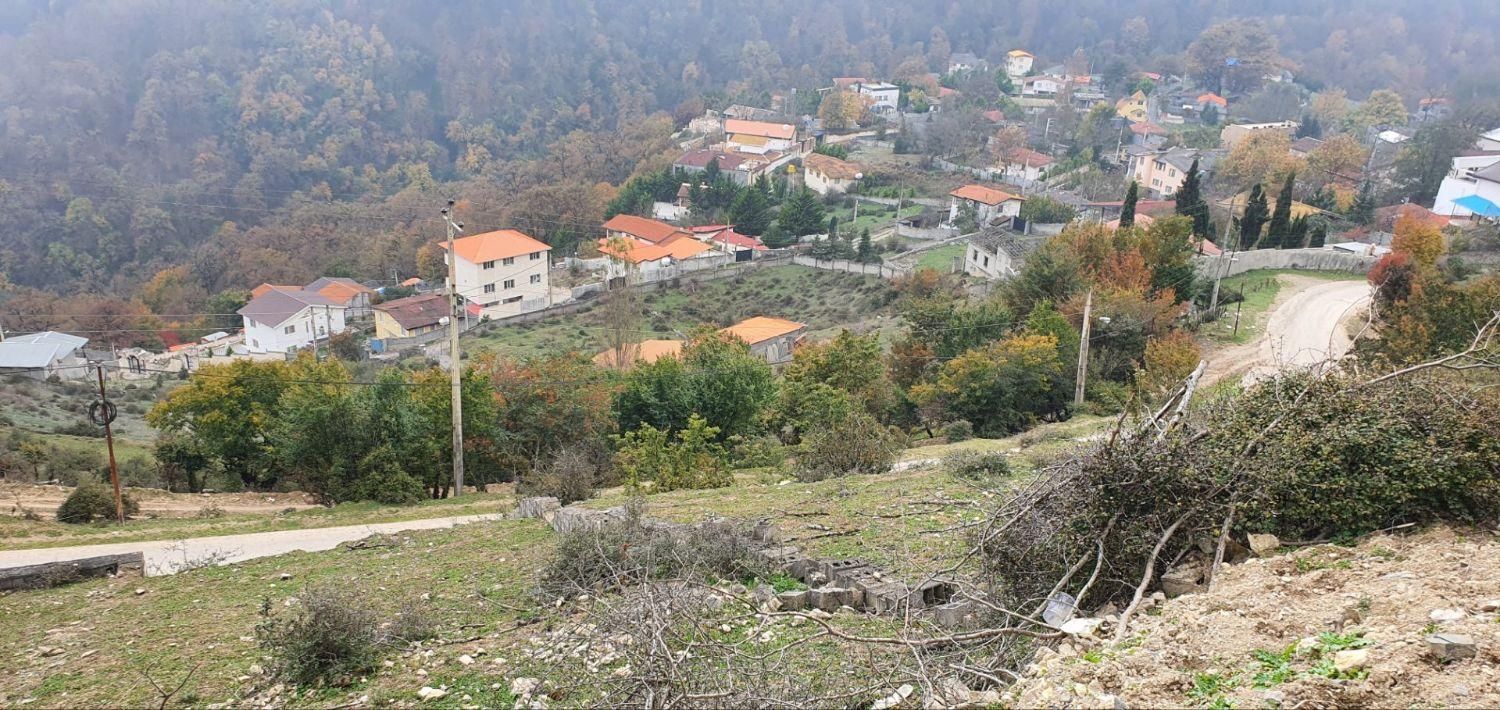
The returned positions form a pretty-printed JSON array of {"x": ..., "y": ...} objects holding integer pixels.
[{"x": 825, "y": 300}]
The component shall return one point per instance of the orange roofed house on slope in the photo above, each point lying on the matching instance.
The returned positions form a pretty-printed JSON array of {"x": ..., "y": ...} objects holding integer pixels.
[
  {"x": 503, "y": 273},
  {"x": 990, "y": 204},
  {"x": 773, "y": 339}
]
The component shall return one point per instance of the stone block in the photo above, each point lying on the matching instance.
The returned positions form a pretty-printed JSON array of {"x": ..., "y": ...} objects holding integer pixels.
[
  {"x": 778, "y": 555},
  {"x": 765, "y": 531},
  {"x": 828, "y": 598},
  {"x": 890, "y": 597},
  {"x": 1264, "y": 545},
  {"x": 535, "y": 507},
  {"x": 1451, "y": 647},
  {"x": 832, "y": 568},
  {"x": 799, "y": 567},
  {"x": 794, "y": 600},
  {"x": 954, "y": 614}
]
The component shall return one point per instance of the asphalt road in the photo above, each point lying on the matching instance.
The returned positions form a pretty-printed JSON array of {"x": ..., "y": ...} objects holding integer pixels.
[{"x": 168, "y": 556}]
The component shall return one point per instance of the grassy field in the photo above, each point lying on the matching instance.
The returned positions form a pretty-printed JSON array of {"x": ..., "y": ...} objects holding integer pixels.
[
  {"x": 1260, "y": 288},
  {"x": 872, "y": 216},
  {"x": 825, "y": 300},
  {"x": 941, "y": 258}
]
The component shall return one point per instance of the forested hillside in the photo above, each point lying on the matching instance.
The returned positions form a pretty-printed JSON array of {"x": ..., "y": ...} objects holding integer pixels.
[{"x": 275, "y": 141}]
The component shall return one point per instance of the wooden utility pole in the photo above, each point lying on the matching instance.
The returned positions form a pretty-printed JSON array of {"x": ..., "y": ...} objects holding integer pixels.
[
  {"x": 1083, "y": 349},
  {"x": 107, "y": 415},
  {"x": 455, "y": 364}
]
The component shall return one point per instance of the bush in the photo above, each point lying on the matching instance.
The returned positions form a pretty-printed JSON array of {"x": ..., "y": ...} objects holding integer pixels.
[
  {"x": 856, "y": 444},
  {"x": 959, "y": 430},
  {"x": 976, "y": 466},
  {"x": 384, "y": 481},
  {"x": 1302, "y": 457},
  {"x": 759, "y": 452},
  {"x": 629, "y": 552},
  {"x": 93, "y": 501},
  {"x": 332, "y": 636},
  {"x": 691, "y": 460},
  {"x": 569, "y": 476}
]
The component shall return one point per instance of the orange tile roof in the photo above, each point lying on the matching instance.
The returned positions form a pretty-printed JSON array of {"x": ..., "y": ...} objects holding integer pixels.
[
  {"x": 635, "y": 252},
  {"x": 784, "y": 131},
  {"x": 832, "y": 167},
  {"x": 684, "y": 247},
  {"x": 761, "y": 328},
  {"x": 987, "y": 195},
  {"x": 491, "y": 246},
  {"x": 1213, "y": 98},
  {"x": 641, "y": 228},
  {"x": 263, "y": 288},
  {"x": 644, "y": 351},
  {"x": 1019, "y": 53}
]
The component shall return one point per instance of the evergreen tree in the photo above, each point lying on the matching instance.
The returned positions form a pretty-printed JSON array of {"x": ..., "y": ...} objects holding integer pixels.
[
  {"x": 1310, "y": 128},
  {"x": 1363, "y": 209},
  {"x": 1190, "y": 202},
  {"x": 833, "y": 226},
  {"x": 866, "y": 250},
  {"x": 1279, "y": 231},
  {"x": 1318, "y": 236},
  {"x": 1298, "y": 239},
  {"x": 750, "y": 212},
  {"x": 1127, "y": 209},
  {"x": 1210, "y": 115},
  {"x": 1256, "y": 214},
  {"x": 801, "y": 214}
]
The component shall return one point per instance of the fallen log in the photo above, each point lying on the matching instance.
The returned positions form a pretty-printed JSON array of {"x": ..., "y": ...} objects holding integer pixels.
[{"x": 52, "y": 574}]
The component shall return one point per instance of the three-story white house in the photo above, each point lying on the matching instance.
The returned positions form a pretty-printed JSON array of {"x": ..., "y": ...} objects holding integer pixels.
[{"x": 504, "y": 272}]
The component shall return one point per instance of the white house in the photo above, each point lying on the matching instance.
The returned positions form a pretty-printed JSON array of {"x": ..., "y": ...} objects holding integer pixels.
[
  {"x": 44, "y": 355},
  {"x": 992, "y": 254},
  {"x": 758, "y": 137},
  {"x": 350, "y": 293},
  {"x": 884, "y": 97},
  {"x": 989, "y": 204},
  {"x": 965, "y": 61},
  {"x": 825, "y": 174},
  {"x": 1018, "y": 63},
  {"x": 283, "y": 318},
  {"x": 1041, "y": 85},
  {"x": 503, "y": 272},
  {"x": 1024, "y": 164},
  {"x": 1490, "y": 140},
  {"x": 632, "y": 262},
  {"x": 1470, "y": 189},
  {"x": 771, "y": 338}
]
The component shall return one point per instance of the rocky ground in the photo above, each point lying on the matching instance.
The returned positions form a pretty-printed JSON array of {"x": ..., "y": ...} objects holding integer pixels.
[{"x": 1394, "y": 621}]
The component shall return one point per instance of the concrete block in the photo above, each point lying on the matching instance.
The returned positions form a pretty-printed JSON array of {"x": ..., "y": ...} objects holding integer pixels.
[
  {"x": 954, "y": 614},
  {"x": 828, "y": 598},
  {"x": 794, "y": 600},
  {"x": 535, "y": 507}
]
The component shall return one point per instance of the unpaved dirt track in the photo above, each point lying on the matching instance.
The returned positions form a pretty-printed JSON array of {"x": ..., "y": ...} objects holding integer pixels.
[
  {"x": 168, "y": 556},
  {"x": 1305, "y": 328}
]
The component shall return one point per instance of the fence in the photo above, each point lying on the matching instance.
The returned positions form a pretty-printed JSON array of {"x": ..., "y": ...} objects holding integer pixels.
[
  {"x": 854, "y": 267},
  {"x": 1302, "y": 259}
]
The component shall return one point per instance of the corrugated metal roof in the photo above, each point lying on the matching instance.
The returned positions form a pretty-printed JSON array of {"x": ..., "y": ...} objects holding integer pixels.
[{"x": 35, "y": 350}]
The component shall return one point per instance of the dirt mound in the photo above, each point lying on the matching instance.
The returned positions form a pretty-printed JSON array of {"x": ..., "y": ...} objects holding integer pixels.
[{"x": 1272, "y": 631}]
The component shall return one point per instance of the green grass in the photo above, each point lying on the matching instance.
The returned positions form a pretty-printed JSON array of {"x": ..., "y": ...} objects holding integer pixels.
[
  {"x": 23, "y": 534},
  {"x": 1260, "y": 288},
  {"x": 825, "y": 300},
  {"x": 941, "y": 258},
  {"x": 872, "y": 216},
  {"x": 1037, "y": 446}
]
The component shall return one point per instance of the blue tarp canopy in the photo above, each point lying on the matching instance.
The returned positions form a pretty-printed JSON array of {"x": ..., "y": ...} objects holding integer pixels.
[{"x": 1479, "y": 206}]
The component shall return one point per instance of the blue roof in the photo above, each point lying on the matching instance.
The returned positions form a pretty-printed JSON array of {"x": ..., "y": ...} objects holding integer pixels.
[{"x": 1479, "y": 206}]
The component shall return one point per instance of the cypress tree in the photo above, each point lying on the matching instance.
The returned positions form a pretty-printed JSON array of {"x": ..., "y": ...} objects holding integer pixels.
[
  {"x": 1298, "y": 237},
  {"x": 750, "y": 212},
  {"x": 1279, "y": 231},
  {"x": 866, "y": 249},
  {"x": 1363, "y": 209},
  {"x": 1127, "y": 209},
  {"x": 801, "y": 214},
  {"x": 1256, "y": 212},
  {"x": 1190, "y": 202},
  {"x": 1319, "y": 235}
]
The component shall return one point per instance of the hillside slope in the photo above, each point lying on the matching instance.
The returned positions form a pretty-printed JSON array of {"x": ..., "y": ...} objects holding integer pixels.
[{"x": 1269, "y": 631}]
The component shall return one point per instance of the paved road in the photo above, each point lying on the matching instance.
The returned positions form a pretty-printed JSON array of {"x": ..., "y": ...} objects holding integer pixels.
[
  {"x": 168, "y": 556},
  {"x": 1305, "y": 329}
]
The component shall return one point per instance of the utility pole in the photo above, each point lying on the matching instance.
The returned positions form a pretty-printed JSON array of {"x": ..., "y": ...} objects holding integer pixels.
[
  {"x": 105, "y": 413},
  {"x": 1083, "y": 349},
  {"x": 454, "y": 365},
  {"x": 1221, "y": 267}
]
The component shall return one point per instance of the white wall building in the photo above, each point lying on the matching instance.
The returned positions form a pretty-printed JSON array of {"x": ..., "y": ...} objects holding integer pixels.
[
  {"x": 989, "y": 204},
  {"x": 44, "y": 355},
  {"x": 992, "y": 255},
  {"x": 884, "y": 97},
  {"x": 282, "y": 318},
  {"x": 1471, "y": 177},
  {"x": 503, "y": 272},
  {"x": 1018, "y": 63}
]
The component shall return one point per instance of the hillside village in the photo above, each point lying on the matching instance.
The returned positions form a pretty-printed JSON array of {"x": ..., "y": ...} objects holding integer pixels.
[{"x": 998, "y": 378}]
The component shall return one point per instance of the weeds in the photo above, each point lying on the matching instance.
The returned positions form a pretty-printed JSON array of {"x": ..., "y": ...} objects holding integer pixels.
[
  {"x": 1275, "y": 668},
  {"x": 1209, "y": 689},
  {"x": 332, "y": 636}
]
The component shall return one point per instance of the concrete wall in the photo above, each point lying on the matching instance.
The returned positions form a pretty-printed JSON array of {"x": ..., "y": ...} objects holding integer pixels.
[
  {"x": 853, "y": 267},
  {"x": 1305, "y": 259}
]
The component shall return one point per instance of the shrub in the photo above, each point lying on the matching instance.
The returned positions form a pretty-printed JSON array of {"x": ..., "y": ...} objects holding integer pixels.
[
  {"x": 384, "y": 481},
  {"x": 856, "y": 444},
  {"x": 690, "y": 460},
  {"x": 330, "y": 638},
  {"x": 629, "y": 552},
  {"x": 758, "y": 452},
  {"x": 1302, "y": 457},
  {"x": 976, "y": 466},
  {"x": 569, "y": 476},
  {"x": 93, "y": 501},
  {"x": 958, "y": 430}
]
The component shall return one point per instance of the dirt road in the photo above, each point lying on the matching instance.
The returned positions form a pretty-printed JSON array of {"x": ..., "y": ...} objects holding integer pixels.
[
  {"x": 1305, "y": 328},
  {"x": 168, "y": 556}
]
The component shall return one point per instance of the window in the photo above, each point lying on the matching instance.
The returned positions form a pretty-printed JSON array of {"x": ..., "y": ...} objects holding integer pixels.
[
  {"x": 536, "y": 278},
  {"x": 510, "y": 283},
  {"x": 489, "y": 288},
  {"x": 986, "y": 261},
  {"x": 1172, "y": 172},
  {"x": 489, "y": 264},
  {"x": 290, "y": 329},
  {"x": 508, "y": 261},
  {"x": 536, "y": 256}
]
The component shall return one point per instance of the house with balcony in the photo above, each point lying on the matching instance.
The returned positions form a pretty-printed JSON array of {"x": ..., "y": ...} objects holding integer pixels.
[{"x": 281, "y": 319}]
